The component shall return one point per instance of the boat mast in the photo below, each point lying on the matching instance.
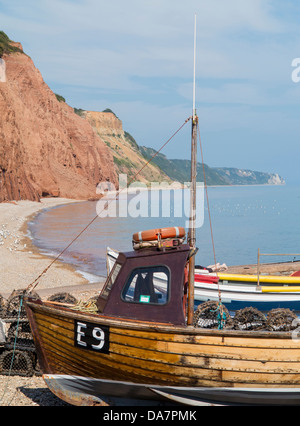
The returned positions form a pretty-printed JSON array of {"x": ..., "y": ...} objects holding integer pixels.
[{"x": 192, "y": 231}]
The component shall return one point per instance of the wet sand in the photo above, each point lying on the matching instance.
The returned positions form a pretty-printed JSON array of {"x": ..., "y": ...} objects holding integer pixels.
[{"x": 21, "y": 262}]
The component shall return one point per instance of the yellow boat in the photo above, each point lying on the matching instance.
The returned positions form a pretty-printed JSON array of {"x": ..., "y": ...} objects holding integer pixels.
[{"x": 270, "y": 279}]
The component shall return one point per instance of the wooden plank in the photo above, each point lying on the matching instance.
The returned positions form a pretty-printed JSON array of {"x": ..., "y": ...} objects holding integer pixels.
[
  {"x": 249, "y": 339},
  {"x": 129, "y": 365},
  {"x": 151, "y": 338},
  {"x": 145, "y": 355},
  {"x": 161, "y": 328},
  {"x": 226, "y": 351},
  {"x": 266, "y": 379},
  {"x": 200, "y": 360}
]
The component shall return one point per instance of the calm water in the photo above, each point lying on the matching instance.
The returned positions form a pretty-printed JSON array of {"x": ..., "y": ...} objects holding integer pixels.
[{"x": 243, "y": 218}]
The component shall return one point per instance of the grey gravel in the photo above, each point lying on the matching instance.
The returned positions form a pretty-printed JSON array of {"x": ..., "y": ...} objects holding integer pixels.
[{"x": 27, "y": 391}]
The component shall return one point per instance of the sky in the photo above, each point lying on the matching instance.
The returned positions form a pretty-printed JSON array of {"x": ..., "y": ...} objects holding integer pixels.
[{"x": 136, "y": 58}]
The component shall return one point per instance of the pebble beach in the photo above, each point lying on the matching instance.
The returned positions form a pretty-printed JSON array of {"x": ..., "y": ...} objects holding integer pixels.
[
  {"x": 17, "y": 391},
  {"x": 20, "y": 265}
]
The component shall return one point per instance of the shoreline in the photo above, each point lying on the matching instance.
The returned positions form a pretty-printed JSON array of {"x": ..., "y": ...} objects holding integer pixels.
[
  {"x": 22, "y": 262},
  {"x": 179, "y": 186}
]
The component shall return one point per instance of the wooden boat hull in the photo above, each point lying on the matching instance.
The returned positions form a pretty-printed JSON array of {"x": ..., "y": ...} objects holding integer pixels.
[{"x": 224, "y": 366}]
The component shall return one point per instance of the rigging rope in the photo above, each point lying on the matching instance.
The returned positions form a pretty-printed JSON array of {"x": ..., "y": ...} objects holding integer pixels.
[
  {"x": 208, "y": 208},
  {"x": 34, "y": 283}
]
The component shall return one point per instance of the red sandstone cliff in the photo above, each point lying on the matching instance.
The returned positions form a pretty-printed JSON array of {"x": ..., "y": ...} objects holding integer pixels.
[
  {"x": 126, "y": 154},
  {"x": 45, "y": 148}
]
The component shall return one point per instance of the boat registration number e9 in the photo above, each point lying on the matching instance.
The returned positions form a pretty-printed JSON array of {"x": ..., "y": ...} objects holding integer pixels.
[{"x": 91, "y": 336}]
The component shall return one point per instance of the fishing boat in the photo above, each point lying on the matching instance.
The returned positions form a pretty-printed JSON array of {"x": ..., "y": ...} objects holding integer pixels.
[
  {"x": 239, "y": 290},
  {"x": 143, "y": 345},
  {"x": 140, "y": 347}
]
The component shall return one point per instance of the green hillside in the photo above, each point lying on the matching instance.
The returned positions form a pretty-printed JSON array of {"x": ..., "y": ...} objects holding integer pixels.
[{"x": 179, "y": 170}]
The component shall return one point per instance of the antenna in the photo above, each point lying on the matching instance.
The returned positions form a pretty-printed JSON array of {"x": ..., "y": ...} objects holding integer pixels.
[
  {"x": 194, "y": 86},
  {"x": 192, "y": 230}
]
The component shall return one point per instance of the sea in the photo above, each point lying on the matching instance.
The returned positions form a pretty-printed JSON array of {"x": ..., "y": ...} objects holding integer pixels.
[{"x": 234, "y": 223}]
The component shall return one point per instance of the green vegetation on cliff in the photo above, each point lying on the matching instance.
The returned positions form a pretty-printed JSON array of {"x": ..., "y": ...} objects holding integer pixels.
[
  {"x": 6, "y": 46},
  {"x": 180, "y": 171},
  {"x": 60, "y": 98}
]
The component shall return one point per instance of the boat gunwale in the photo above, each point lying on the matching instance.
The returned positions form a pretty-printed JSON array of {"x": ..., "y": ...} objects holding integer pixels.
[
  {"x": 126, "y": 323},
  {"x": 253, "y": 278}
]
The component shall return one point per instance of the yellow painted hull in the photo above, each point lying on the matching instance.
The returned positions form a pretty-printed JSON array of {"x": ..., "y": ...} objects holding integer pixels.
[
  {"x": 276, "y": 279},
  {"x": 280, "y": 289},
  {"x": 163, "y": 355}
]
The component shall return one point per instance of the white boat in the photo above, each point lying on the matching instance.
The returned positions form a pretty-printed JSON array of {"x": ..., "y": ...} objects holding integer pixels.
[{"x": 238, "y": 290}]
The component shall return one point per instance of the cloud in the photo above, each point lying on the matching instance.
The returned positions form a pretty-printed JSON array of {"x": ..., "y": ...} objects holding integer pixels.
[
  {"x": 136, "y": 57},
  {"x": 149, "y": 38}
]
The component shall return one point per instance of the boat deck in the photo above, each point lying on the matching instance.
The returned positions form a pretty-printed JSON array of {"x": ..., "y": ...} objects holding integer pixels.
[{"x": 284, "y": 268}]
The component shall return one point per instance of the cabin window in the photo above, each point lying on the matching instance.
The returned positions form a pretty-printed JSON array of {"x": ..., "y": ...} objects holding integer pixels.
[
  {"x": 110, "y": 281},
  {"x": 148, "y": 285}
]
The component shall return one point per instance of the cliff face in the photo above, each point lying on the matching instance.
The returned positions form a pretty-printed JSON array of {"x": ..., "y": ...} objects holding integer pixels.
[
  {"x": 48, "y": 150},
  {"x": 126, "y": 154},
  {"x": 45, "y": 148},
  {"x": 248, "y": 177}
]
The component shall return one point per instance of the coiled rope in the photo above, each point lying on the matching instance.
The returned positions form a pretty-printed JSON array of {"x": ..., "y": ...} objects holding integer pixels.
[{"x": 88, "y": 307}]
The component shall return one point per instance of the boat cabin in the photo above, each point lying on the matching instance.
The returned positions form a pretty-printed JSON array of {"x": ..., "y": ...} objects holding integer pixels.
[{"x": 147, "y": 285}]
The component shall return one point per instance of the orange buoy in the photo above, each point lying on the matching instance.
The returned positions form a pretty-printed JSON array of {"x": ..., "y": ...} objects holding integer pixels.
[{"x": 163, "y": 233}]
